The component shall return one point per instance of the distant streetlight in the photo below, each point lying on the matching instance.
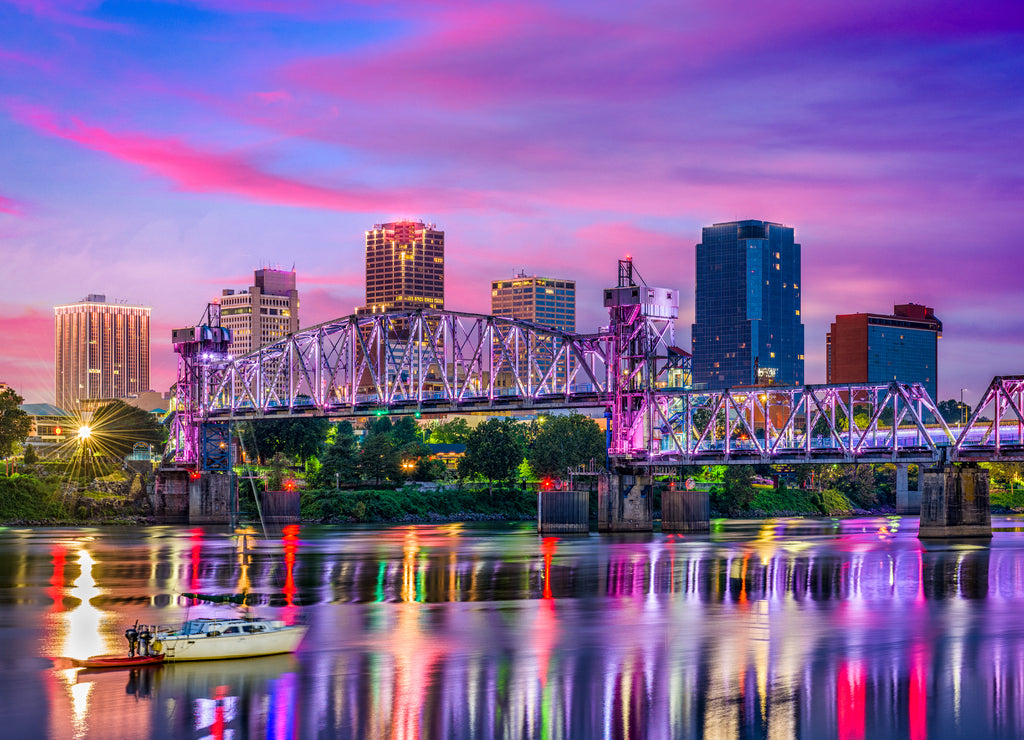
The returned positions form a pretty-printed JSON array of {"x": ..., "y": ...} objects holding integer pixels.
[{"x": 963, "y": 409}]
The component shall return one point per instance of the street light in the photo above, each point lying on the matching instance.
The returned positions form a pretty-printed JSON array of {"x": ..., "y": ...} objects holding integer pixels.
[{"x": 963, "y": 409}]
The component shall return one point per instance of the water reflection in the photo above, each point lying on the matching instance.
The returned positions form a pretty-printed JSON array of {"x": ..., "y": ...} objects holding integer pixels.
[{"x": 785, "y": 628}]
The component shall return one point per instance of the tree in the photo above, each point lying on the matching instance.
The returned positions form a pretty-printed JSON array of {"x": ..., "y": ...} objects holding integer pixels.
[
  {"x": 379, "y": 459},
  {"x": 15, "y": 424},
  {"x": 737, "y": 491},
  {"x": 493, "y": 450},
  {"x": 406, "y": 431},
  {"x": 953, "y": 411},
  {"x": 565, "y": 441},
  {"x": 116, "y": 427},
  {"x": 339, "y": 461},
  {"x": 297, "y": 438},
  {"x": 454, "y": 432},
  {"x": 30, "y": 456}
]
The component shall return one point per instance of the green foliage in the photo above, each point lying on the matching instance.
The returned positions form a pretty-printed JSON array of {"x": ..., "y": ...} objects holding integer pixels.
[
  {"x": 277, "y": 474},
  {"x": 379, "y": 459},
  {"x": 30, "y": 457},
  {"x": 736, "y": 493},
  {"x": 117, "y": 426},
  {"x": 493, "y": 450},
  {"x": 454, "y": 432},
  {"x": 564, "y": 441},
  {"x": 299, "y": 438},
  {"x": 953, "y": 411},
  {"x": 406, "y": 431},
  {"x": 414, "y": 504},
  {"x": 831, "y": 502},
  {"x": 784, "y": 501},
  {"x": 339, "y": 461},
  {"x": 26, "y": 497},
  {"x": 15, "y": 424}
]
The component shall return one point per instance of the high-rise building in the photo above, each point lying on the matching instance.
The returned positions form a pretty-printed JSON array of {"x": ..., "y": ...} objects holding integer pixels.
[
  {"x": 101, "y": 350},
  {"x": 747, "y": 328},
  {"x": 404, "y": 267},
  {"x": 546, "y": 301},
  {"x": 263, "y": 314},
  {"x": 874, "y": 348}
]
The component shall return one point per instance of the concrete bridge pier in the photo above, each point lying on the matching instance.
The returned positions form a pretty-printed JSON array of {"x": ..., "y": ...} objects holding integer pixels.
[
  {"x": 907, "y": 501},
  {"x": 625, "y": 503},
  {"x": 685, "y": 511},
  {"x": 954, "y": 502},
  {"x": 563, "y": 512},
  {"x": 184, "y": 496}
]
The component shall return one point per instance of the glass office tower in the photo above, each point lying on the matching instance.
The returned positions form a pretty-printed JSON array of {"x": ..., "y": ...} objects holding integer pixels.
[{"x": 748, "y": 329}]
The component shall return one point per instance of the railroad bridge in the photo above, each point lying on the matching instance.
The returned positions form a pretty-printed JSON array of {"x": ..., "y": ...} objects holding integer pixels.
[{"x": 442, "y": 362}]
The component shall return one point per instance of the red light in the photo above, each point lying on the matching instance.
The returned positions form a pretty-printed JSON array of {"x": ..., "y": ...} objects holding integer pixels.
[
  {"x": 289, "y": 485},
  {"x": 195, "y": 475},
  {"x": 546, "y": 484},
  {"x": 57, "y": 431}
]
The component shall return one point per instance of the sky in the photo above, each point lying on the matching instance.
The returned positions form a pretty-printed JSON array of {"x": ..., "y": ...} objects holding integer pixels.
[{"x": 158, "y": 152}]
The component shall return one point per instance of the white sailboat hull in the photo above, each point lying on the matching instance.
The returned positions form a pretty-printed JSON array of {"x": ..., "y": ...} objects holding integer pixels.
[{"x": 215, "y": 645}]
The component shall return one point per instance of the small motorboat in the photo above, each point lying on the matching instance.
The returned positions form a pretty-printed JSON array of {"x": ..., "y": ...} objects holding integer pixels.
[
  {"x": 233, "y": 637},
  {"x": 119, "y": 661}
]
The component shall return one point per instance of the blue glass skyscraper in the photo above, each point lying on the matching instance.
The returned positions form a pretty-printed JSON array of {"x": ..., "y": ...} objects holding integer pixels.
[{"x": 747, "y": 328}]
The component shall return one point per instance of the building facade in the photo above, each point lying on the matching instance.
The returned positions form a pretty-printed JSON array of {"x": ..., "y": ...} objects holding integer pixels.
[
  {"x": 875, "y": 348},
  {"x": 265, "y": 313},
  {"x": 101, "y": 350},
  {"x": 404, "y": 267},
  {"x": 747, "y": 326},
  {"x": 546, "y": 301}
]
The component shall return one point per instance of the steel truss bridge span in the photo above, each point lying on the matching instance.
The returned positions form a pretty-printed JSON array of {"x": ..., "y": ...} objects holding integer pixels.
[
  {"x": 445, "y": 361},
  {"x": 437, "y": 360}
]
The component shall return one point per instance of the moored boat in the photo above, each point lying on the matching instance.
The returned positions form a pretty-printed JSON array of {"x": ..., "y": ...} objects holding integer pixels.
[
  {"x": 218, "y": 638},
  {"x": 119, "y": 661}
]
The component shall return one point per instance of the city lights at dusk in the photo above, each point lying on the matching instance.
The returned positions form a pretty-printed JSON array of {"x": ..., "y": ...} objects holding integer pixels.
[{"x": 159, "y": 152}]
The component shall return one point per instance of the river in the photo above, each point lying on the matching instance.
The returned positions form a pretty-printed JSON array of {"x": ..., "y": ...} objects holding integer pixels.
[{"x": 763, "y": 629}]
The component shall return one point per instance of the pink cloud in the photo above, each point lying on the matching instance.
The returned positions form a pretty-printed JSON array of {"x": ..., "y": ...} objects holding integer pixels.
[
  {"x": 194, "y": 170},
  {"x": 10, "y": 206}
]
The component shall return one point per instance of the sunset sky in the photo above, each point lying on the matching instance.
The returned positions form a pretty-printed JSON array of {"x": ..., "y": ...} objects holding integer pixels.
[{"x": 158, "y": 152}]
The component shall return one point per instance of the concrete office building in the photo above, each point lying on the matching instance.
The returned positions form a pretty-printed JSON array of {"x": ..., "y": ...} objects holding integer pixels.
[
  {"x": 546, "y": 301},
  {"x": 101, "y": 351},
  {"x": 747, "y": 328},
  {"x": 265, "y": 313},
  {"x": 404, "y": 267},
  {"x": 876, "y": 348}
]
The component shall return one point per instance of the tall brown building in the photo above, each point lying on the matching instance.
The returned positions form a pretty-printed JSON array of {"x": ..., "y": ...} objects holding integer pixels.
[
  {"x": 404, "y": 267},
  {"x": 265, "y": 313},
  {"x": 875, "y": 348},
  {"x": 546, "y": 301},
  {"x": 101, "y": 350}
]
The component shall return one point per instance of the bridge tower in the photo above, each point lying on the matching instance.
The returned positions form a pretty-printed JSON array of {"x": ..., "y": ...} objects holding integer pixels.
[
  {"x": 197, "y": 486},
  {"x": 642, "y": 332}
]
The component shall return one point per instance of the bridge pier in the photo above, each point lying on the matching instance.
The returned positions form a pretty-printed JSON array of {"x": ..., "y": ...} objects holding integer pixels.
[
  {"x": 954, "y": 502},
  {"x": 182, "y": 496},
  {"x": 625, "y": 503},
  {"x": 907, "y": 501},
  {"x": 563, "y": 512},
  {"x": 685, "y": 511}
]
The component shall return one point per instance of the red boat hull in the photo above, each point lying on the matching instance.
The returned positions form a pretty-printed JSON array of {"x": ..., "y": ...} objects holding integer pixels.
[{"x": 120, "y": 661}]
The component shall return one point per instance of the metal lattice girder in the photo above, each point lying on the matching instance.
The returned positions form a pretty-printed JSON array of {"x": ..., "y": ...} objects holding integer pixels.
[
  {"x": 216, "y": 447},
  {"x": 995, "y": 428},
  {"x": 839, "y": 423},
  {"x": 421, "y": 358}
]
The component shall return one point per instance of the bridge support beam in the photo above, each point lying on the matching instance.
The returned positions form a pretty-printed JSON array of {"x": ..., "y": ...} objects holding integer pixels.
[
  {"x": 685, "y": 511},
  {"x": 212, "y": 498},
  {"x": 182, "y": 496},
  {"x": 563, "y": 512},
  {"x": 907, "y": 501},
  {"x": 954, "y": 503},
  {"x": 625, "y": 503}
]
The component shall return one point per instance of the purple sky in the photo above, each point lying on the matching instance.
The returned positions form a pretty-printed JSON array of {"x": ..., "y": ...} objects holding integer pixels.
[{"x": 159, "y": 152}]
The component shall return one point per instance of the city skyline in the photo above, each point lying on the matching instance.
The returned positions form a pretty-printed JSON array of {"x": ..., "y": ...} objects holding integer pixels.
[{"x": 158, "y": 152}]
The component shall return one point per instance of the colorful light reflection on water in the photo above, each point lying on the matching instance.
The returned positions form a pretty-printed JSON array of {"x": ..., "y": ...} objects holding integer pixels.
[{"x": 788, "y": 628}]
